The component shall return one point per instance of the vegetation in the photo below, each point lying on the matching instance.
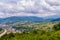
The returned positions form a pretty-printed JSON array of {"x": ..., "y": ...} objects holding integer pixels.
[
  {"x": 0, "y": 29},
  {"x": 34, "y": 26},
  {"x": 56, "y": 27},
  {"x": 42, "y": 35},
  {"x": 41, "y": 31}
]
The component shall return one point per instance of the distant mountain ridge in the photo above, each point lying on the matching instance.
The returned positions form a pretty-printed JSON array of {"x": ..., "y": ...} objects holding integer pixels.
[
  {"x": 1, "y": 19},
  {"x": 14, "y": 19},
  {"x": 58, "y": 19}
]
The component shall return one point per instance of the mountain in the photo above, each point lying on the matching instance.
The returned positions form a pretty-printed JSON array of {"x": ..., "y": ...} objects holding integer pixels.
[
  {"x": 29, "y": 19},
  {"x": 1, "y": 19},
  {"x": 52, "y": 18},
  {"x": 57, "y": 19},
  {"x": 14, "y": 19}
]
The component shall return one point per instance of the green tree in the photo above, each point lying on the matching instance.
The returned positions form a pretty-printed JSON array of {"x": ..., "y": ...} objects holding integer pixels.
[{"x": 56, "y": 27}]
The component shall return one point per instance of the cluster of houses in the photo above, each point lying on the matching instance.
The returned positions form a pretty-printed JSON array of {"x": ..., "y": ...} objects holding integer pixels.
[{"x": 12, "y": 30}]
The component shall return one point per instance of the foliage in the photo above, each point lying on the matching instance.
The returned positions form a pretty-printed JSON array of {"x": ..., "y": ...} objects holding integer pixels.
[
  {"x": 41, "y": 35},
  {"x": 0, "y": 29},
  {"x": 41, "y": 31},
  {"x": 57, "y": 26}
]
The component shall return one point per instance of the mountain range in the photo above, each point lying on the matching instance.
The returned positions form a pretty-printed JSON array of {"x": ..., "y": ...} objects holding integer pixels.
[{"x": 14, "y": 19}]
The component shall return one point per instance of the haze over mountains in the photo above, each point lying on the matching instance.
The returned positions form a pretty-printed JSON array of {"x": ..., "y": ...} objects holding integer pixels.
[{"x": 14, "y": 19}]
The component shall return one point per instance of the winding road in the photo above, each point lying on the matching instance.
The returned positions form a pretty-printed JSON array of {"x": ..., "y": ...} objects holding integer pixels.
[{"x": 5, "y": 31}]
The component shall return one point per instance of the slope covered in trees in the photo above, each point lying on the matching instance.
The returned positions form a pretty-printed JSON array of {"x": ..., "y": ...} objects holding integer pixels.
[{"x": 42, "y": 35}]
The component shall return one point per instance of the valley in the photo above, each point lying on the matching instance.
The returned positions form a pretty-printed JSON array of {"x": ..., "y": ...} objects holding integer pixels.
[{"x": 25, "y": 26}]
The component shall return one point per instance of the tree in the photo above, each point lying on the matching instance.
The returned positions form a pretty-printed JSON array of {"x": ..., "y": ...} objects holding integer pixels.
[{"x": 56, "y": 27}]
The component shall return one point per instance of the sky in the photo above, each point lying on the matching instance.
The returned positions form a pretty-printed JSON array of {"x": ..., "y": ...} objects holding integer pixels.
[{"x": 39, "y": 8}]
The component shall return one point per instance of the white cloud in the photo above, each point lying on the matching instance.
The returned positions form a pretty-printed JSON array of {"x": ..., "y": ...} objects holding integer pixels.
[
  {"x": 26, "y": 3},
  {"x": 57, "y": 8},
  {"x": 1, "y": 3},
  {"x": 53, "y": 2},
  {"x": 27, "y": 14},
  {"x": 39, "y": 8}
]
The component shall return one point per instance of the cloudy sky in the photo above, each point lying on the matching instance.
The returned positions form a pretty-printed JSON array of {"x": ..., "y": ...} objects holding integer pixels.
[{"x": 39, "y": 8}]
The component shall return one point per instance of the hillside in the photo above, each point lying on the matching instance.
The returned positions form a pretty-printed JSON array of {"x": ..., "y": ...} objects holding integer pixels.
[
  {"x": 25, "y": 36},
  {"x": 35, "y": 31},
  {"x": 11, "y": 20},
  {"x": 57, "y": 19},
  {"x": 29, "y": 19},
  {"x": 40, "y": 35}
]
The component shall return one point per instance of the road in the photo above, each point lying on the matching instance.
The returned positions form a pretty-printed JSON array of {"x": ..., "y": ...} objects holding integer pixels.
[{"x": 5, "y": 31}]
